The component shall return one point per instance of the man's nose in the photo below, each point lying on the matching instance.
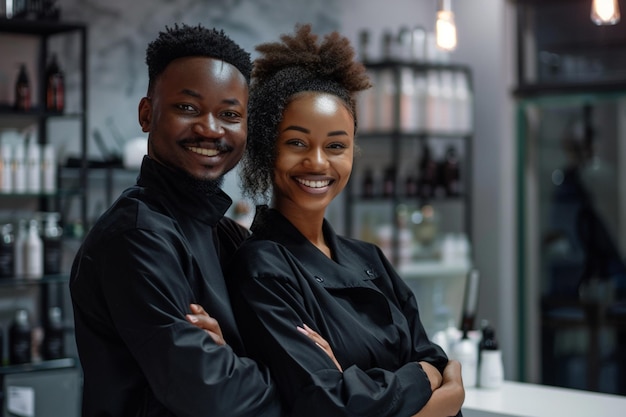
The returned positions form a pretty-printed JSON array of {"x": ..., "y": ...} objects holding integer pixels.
[{"x": 209, "y": 126}]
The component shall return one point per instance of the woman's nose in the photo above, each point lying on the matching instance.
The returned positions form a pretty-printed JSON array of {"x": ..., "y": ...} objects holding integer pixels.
[{"x": 317, "y": 157}]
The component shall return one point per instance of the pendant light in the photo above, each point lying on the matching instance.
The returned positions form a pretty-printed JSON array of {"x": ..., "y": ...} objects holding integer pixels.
[
  {"x": 445, "y": 28},
  {"x": 605, "y": 12}
]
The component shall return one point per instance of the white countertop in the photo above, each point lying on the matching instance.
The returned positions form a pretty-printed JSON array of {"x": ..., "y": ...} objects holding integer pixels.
[{"x": 516, "y": 399}]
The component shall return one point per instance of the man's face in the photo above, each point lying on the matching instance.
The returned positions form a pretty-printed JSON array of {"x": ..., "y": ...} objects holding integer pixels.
[{"x": 196, "y": 117}]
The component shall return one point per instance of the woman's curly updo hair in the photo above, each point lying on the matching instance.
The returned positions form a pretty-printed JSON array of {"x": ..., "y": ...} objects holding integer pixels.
[
  {"x": 284, "y": 69},
  {"x": 184, "y": 40}
]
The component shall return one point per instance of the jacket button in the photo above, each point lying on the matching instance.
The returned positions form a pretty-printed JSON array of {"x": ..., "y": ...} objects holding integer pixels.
[{"x": 319, "y": 279}]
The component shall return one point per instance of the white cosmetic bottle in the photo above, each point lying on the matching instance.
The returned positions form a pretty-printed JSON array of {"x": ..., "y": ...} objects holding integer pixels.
[{"x": 491, "y": 369}]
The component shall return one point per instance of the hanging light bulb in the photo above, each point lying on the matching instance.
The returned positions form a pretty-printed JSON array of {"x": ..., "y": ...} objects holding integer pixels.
[
  {"x": 445, "y": 28},
  {"x": 605, "y": 12}
]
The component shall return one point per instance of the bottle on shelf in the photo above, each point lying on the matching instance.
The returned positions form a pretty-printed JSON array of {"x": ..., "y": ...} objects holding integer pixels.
[
  {"x": 389, "y": 182},
  {"x": 410, "y": 185},
  {"x": 52, "y": 245},
  {"x": 33, "y": 167},
  {"x": 20, "y": 240},
  {"x": 364, "y": 45},
  {"x": 463, "y": 103},
  {"x": 408, "y": 103},
  {"x": 18, "y": 164},
  {"x": 428, "y": 174},
  {"x": 451, "y": 172},
  {"x": 434, "y": 108},
  {"x": 418, "y": 44},
  {"x": 49, "y": 169},
  {"x": 53, "y": 346},
  {"x": 55, "y": 86},
  {"x": 6, "y": 171},
  {"x": 22, "y": 90},
  {"x": 20, "y": 338},
  {"x": 33, "y": 252},
  {"x": 7, "y": 251},
  {"x": 385, "y": 99},
  {"x": 367, "y": 106}
]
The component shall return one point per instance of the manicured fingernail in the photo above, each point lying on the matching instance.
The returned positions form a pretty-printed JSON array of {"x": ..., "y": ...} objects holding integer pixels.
[
  {"x": 301, "y": 330},
  {"x": 191, "y": 318}
]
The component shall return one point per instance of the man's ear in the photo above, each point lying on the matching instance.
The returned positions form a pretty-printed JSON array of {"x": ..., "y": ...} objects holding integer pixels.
[{"x": 145, "y": 114}]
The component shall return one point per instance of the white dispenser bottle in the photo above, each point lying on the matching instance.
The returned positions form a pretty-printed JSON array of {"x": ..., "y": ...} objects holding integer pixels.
[{"x": 491, "y": 368}]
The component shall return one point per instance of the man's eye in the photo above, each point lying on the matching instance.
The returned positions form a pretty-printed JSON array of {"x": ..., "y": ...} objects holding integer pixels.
[
  {"x": 231, "y": 114},
  {"x": 186, "y": 107}
]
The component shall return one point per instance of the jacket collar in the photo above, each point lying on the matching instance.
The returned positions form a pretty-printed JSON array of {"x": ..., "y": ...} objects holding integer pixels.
[
  {"x": 173, "y": 187},
  {"x": 346, "y": 269}
]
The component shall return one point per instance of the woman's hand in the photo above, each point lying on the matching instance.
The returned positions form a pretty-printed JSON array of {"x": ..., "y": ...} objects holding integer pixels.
[
  {"x": 448, "y": 398},
  {"x": 321, "y": 342},
  {"x": 433, "y": 374},
  {"x": 201, "y": 319}
]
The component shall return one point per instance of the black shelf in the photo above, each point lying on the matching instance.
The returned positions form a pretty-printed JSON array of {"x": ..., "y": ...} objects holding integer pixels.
[
  {"x": 63, "y": 363},
  {"x": 46, "y": 279},
  {"x": 38, "y": 27}
]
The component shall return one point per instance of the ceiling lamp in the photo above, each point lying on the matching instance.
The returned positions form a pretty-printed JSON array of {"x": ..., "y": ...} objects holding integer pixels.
[
  {"x": 445, "y": 28},
  {"x": 605, "y": 12}
]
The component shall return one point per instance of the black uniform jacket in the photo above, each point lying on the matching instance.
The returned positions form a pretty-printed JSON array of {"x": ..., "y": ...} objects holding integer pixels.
[
  {"x": 356, "y": 301},
  {"x": 155, "y": 251}
]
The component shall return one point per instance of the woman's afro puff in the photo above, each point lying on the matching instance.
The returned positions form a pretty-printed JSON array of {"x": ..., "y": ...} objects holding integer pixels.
[{"x": 297, "y": 64}]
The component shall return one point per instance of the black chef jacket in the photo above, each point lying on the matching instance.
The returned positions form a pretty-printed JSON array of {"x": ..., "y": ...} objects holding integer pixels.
[
  {"x": 356, "y": 301},
  {"x": 147, "y": 258}
]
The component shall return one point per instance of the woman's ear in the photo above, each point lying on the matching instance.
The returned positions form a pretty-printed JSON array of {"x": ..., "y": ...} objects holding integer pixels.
[{"x": 145, "y": 114}]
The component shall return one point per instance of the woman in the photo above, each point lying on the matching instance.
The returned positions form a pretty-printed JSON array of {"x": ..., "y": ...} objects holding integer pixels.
[{"x": 295, "y": 272}]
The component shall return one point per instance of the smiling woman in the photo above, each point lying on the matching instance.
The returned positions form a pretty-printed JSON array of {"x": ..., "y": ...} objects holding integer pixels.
[{"x": 296, "y": 272}]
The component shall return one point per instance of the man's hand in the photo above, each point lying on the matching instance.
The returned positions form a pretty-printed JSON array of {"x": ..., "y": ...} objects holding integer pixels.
[
  {"x": 319, "y": 341},
  {"x": 201, "y": 319}
]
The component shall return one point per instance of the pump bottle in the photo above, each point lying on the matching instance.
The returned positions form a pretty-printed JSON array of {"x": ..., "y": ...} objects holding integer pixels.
[{"x": 491, "y": 372}]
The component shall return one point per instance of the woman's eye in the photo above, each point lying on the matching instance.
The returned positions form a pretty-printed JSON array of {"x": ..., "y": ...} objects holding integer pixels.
[
  {"x": 295, "y": 142},
  {"x": 337, "y": 145}
]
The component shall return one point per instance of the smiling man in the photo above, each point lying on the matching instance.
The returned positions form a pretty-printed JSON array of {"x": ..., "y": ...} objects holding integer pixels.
[{"x": 159, "y": 248}]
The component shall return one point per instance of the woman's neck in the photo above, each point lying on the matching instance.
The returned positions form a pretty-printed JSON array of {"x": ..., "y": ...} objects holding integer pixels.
[{"x": 309, "y": 223}]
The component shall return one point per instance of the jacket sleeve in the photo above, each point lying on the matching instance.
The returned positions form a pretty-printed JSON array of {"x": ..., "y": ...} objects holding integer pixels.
[
  {"x": 269, "y": 306},
  {"x": 423, "y": 348},
  {"x": 144, "y": 277}
]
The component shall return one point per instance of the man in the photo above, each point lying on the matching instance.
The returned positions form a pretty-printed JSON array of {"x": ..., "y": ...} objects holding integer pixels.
[{"x": 158, "y": 249}]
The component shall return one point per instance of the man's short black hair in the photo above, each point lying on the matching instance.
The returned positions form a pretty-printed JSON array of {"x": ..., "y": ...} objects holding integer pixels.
[{"x": 184, "y": 40}]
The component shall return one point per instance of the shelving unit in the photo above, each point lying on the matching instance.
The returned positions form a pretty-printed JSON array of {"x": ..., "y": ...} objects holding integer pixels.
[
  {"x": 399, "y": 150},
  {"x": 37, "y": 295}
]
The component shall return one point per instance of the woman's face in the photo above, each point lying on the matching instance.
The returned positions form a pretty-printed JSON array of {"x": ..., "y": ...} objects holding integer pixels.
[{"x": 315, "y": 149}]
